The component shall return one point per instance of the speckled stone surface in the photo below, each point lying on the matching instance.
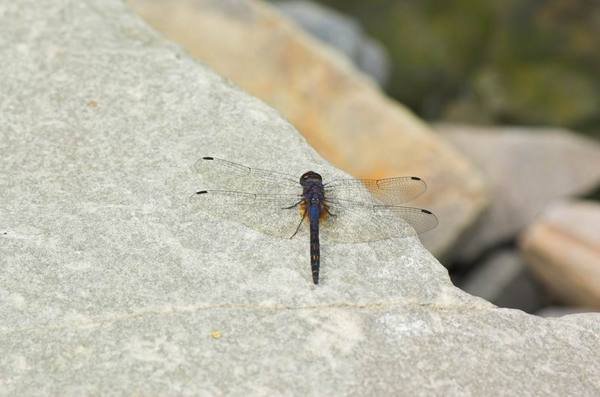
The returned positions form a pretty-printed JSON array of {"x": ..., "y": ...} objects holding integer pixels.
[{"x": 109, "y": 286}]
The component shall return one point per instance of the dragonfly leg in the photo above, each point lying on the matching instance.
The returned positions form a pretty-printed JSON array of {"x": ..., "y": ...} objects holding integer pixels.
[
  {"x": 292, "y": 206},
  {"x": 300, "y": 224}
]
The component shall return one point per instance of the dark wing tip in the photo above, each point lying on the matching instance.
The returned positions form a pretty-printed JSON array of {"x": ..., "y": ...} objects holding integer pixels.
[
  {"x": 202, "y": 192},
  {"x": 427, "y": 212},
  {"x": 208, "y": 158},
  {"x": 415, "y": 178}
]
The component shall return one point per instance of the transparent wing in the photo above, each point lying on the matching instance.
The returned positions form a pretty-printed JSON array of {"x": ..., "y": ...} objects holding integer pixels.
[
  {"x": 392, "y": 191},
  {"x": 218, "y": 173},
  {"x": 273, "y": 214},
  {"x": 356, "y": 222},
  {"x": 268, "y": 201}
]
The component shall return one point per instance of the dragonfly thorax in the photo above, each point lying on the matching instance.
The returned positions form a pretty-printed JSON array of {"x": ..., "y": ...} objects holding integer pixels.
[{"x": 312, "y": 188}]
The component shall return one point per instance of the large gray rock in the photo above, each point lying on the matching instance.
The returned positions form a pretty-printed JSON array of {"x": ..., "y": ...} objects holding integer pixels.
[
  {"x": 341, "y": 32},
  {"x": 526, "y": 169},
  {"x": 108, "y": 287}
]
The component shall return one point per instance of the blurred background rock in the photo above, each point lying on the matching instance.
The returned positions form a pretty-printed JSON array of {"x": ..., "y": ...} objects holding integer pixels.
[
  {"x": 512, "y": 86},
  {"x": 500, "y": 61},
  {"x": 343, "y": 33}
]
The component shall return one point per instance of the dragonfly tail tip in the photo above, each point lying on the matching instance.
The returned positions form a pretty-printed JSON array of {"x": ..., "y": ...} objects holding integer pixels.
[{"x": 315, "y": 277}]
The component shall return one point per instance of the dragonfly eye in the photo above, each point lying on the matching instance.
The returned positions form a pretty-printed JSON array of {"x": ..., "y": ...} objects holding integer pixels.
[
  {"x": 310, "y": 175},
  {"x": 304, "y": 177}
]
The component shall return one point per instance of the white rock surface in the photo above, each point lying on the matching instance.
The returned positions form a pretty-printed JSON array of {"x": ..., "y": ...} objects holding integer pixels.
[{"x": 106, "y": 289}]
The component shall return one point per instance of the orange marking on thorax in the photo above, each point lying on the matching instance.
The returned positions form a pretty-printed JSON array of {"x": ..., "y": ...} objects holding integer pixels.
[
  {"x": 302, "y": 208},
  {"x": 324, "y": 215}
]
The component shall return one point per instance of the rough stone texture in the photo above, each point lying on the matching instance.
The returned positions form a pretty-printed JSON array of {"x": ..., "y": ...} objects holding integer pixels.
[
  {"x": 563, "y": 250},
  {"x": 108, "y": 287},
  {"x": 504, "y": 280},
  {"x": 526, "y": 168},
  {"x": 342, "y": 33},
  {"x": 341, "y": 114}
]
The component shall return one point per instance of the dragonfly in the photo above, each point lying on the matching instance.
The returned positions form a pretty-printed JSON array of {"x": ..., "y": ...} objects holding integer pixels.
[{"x": 283, "y": 205}]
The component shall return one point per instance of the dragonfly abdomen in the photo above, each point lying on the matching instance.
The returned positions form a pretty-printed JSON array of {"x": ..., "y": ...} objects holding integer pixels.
[
  {"x": 314, "y": 196},
  {"x": 315, "y": 254}
]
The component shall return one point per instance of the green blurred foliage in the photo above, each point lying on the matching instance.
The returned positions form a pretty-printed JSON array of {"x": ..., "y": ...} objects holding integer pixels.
[{"x": 496, "y": 61}]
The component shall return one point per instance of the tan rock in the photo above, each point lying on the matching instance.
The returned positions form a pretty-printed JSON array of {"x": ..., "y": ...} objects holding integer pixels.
[
  {"x": 563, "y": 249},
  {"x": 339, "y": 111},
  {"x": 526, "y": 169}
]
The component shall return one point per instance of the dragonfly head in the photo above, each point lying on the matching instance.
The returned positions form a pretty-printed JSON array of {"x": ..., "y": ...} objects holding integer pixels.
[{"x": 310, "y": 177}]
